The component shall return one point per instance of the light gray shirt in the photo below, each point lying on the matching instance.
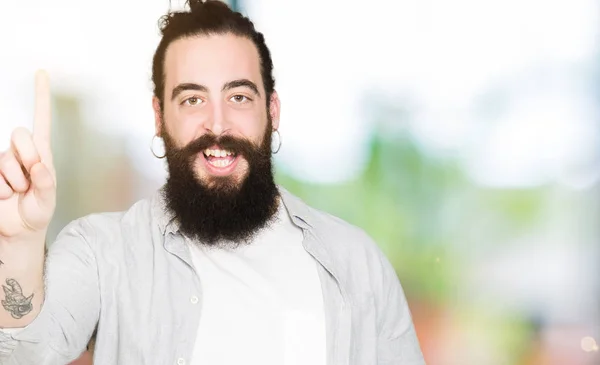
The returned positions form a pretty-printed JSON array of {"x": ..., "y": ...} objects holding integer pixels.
[{"x": 131, "y": 275}]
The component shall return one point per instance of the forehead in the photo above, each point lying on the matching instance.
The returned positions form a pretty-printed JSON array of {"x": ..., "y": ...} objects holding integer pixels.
[{"x": 212, "y": 60}]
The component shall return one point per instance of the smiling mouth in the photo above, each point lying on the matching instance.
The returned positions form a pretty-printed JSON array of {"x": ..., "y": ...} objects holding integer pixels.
[{"x": 219, "y": 158}]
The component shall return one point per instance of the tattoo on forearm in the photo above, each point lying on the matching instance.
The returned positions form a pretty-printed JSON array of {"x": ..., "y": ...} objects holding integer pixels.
[
  {"x": 1, "y": 263},
  {"x": 15, "y": 302}
]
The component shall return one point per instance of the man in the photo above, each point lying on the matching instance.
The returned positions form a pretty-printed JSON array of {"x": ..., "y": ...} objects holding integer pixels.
[{"x": 222, "y": 266}]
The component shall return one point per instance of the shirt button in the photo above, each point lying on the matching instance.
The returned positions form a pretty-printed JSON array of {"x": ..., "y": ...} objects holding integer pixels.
[
  {"x": 194, "y": 299},
  {"x": 181, "y": 361}
]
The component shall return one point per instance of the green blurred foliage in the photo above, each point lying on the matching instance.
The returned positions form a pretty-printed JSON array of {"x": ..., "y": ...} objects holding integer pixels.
[{"x": 423, "y": 212}]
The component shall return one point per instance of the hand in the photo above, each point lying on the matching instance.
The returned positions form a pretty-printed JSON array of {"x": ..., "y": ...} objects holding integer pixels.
[{"x": 27, "y": 175}]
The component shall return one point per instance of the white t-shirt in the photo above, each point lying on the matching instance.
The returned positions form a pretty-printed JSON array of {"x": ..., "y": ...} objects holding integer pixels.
[{"x": 261, "y": 303}]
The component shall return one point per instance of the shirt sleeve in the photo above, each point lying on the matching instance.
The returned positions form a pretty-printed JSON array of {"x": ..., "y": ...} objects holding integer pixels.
[
  {"x": 60, "y": 332},
  {"x": 397, "y": 342}
]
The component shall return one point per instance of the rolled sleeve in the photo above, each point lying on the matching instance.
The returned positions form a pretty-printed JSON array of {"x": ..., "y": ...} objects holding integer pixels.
[{"x": 68, "y": 317}]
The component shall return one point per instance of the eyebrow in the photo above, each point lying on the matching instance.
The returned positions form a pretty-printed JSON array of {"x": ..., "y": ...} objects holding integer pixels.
[
  {"x": 228, "y": 86},
  {"x": 187, "y": 86},
  {"x": 241, "y": 83}
]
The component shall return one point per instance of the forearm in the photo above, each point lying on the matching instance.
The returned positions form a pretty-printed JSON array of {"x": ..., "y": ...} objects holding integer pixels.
[
  {"x": 22, "y": 280},
  {"x": 59, "y": 329}
]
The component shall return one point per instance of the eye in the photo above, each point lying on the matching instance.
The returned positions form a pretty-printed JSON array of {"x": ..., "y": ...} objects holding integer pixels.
[
  {"x": 239, "y": 99},
  {"x": 192, "y": 101}
]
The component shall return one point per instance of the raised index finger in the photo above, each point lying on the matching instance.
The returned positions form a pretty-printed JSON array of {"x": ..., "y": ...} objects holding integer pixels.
[{"x": 42, "y": 116}]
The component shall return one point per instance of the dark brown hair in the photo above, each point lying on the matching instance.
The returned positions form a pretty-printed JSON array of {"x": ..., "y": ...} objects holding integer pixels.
[{"x": 208, "y": 17}]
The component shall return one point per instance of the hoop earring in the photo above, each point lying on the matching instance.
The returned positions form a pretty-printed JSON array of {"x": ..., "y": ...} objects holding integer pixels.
[
  {"x": 152, "y": 149},
  {"x": 279, "y": 140}
]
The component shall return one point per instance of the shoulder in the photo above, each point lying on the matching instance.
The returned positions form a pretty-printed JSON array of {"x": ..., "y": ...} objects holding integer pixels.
[
  {"x": 337, "y": 230},
  {"x": 361, "y": 266},
  {"x": 342, "y": 238},
  {"x": 110, "y": 227}
]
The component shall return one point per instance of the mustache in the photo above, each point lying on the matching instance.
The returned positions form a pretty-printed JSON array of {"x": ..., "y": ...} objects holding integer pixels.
[{"x": 239, "y": 146}]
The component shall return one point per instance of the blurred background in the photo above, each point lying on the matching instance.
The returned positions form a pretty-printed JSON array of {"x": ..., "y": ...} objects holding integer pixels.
[{"x": 462, "y": 135}]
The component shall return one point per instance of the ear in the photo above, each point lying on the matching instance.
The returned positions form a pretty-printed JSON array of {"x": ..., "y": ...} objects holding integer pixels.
[
  {"x": 274, "y": 109},
  {"x": 158, "y": 123}
]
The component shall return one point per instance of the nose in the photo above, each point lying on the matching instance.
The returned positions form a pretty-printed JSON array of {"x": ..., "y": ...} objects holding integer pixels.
[{"x": 216, "y": 122}]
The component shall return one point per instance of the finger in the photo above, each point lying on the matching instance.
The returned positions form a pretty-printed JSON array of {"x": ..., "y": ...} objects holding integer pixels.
[
  {"x": 42, "y": 117},
  {"x": 24, "y": 148},
  {"x": 42, "y": 181},
  {"x": 5, "y": 190},
  {"x": 13, "y": 173}
]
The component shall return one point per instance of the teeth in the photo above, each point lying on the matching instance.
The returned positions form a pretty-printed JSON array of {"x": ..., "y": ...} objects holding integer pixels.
[
  {"x": 217, "y": 153},
  {"x": 220, "y": 163}
]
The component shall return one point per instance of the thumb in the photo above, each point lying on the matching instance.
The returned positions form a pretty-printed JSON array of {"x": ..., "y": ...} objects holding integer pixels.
[{"x": 42, "y": 182}]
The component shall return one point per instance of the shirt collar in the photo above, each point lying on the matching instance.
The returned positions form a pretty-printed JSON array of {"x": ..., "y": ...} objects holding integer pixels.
[{"x": 162, "y": 214}]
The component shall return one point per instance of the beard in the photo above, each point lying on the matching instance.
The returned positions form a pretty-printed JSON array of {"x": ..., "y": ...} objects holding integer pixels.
[{"x": 221, "y": 210}]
